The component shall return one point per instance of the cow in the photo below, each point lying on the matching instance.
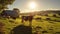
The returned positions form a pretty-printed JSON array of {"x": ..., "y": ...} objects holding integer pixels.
[
  {"x": 27, "y": 18},
  {"x": 54, "y": 15},
  {"x": 48, "y": 18},
  {"x": 38, "y": 18},
  {"x": 44, "y": 31}
]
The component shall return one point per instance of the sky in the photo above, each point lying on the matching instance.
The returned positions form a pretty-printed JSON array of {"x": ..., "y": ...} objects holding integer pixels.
[{"x": 23, "y": 5}]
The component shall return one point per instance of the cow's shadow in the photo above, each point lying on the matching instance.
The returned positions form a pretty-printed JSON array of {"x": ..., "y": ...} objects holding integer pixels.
[{"x": 21, "y": 29}]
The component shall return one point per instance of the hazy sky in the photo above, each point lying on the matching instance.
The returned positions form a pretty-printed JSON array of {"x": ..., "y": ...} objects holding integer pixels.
[{"x": 40, "y": 5}]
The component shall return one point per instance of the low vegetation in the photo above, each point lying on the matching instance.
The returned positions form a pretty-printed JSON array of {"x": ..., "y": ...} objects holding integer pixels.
[{"x": 44, "y": 24}]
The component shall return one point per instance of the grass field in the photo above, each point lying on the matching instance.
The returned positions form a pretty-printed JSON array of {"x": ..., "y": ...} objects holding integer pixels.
[{"x": 46, "y": 25}]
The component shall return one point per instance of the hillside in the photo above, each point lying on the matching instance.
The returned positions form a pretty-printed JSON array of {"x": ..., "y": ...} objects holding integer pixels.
[
  {"x": 47, "y": 24},
  {"x": 42, "y": 12}
]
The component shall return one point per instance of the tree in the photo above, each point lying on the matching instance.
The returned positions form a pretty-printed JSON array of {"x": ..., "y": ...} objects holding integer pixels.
[
  {"x": 5, "y": 3},
  {"x": 17, "y": 10}
]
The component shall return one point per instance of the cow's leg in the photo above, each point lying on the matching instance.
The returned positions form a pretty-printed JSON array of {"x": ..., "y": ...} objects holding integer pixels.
[
  {"x": 22, "y": 21},
  {"x": 30, "y": 23}
]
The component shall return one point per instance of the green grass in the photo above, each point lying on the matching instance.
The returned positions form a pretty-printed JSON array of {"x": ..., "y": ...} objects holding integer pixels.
[{"x": 45, "y": 24}]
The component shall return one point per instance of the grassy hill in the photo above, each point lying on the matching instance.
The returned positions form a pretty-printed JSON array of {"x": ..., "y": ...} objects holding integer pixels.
[{"x": 51, "y": 25}]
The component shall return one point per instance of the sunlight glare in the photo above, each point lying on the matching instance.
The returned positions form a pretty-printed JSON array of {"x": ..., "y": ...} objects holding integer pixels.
[{"x": 32, "y": 5}]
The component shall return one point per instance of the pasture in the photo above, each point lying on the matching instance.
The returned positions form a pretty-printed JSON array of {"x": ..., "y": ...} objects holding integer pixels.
[{"x": 48, "y": 24}]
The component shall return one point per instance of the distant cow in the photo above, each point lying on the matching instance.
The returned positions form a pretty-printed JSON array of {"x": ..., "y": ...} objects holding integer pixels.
[
  {"x": 27, "y": 18},
  {"x": 48, "y": 19},
  {"x": 54, "y": 15},
  {"x": 44, "y": 31},
  {"x": 38, "y": 18},
  {"x": 10, "y": 13}
]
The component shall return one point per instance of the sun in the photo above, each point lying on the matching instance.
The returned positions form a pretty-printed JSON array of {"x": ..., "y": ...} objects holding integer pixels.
[{"x": 32, "y": 5}]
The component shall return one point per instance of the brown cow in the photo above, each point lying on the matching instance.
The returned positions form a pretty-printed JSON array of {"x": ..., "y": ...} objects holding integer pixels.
[{"x": 27, "y": 18}]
